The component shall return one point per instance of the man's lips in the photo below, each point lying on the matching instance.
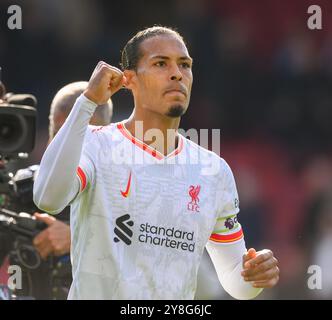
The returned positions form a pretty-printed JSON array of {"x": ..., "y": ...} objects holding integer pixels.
[{"x": 176, "y": 91}]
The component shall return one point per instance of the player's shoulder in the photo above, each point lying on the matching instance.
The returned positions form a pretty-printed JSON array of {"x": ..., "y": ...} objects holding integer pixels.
[
  {"x": 92, "y": 129},
  {"x": 205, "y": 155},
  {"x": 102, "y": 131},
  {"x": 100, "y": 136}
]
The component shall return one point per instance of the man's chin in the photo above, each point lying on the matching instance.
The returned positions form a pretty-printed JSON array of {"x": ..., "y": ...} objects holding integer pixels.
[{"x": 176, "y": 111}]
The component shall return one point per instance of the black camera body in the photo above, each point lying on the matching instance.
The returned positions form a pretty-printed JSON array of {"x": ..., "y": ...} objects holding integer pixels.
[
  {"x": 17, "y": 122},
  {"x": 41, "y": 279},
  {"x": 17, "y": 231},
  {"x": 20, "y": 229},
  {"x": 17, "y": 127},
  {"x": 16, "y": 191}
]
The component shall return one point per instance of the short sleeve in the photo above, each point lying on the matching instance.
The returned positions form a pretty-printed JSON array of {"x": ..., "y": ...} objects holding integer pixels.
[{"x": 227, "y": 228}]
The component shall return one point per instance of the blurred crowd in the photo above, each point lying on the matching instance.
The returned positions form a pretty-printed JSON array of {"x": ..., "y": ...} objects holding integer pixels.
[{"x": 260, "y": 75}]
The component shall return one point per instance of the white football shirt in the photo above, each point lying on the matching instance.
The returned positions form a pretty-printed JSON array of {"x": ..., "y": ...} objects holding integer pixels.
[{"x": 141, "y": 220}]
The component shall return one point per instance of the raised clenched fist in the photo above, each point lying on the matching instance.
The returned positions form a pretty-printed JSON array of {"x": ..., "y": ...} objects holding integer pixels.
[{"x": 104, "y": 82}]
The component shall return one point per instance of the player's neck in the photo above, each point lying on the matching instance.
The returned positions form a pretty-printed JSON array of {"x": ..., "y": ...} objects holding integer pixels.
[{"x": 144, "y": 121}]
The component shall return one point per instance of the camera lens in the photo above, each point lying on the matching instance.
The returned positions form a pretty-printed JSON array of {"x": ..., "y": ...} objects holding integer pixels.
[
  {"x": 28, "y": 256},
  {"x": 12, "y": 131}
]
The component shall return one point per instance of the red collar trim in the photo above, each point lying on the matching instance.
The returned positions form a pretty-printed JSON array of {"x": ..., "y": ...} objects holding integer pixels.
[{"x": 145, "y": 147}]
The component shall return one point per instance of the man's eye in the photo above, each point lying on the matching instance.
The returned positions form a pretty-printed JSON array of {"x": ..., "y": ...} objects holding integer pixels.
[
  {"x": 185, "y": 65},
  {"x": 160, "y": 63}
]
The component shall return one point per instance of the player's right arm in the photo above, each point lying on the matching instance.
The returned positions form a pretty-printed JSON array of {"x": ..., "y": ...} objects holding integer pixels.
[{"x": 56, "y": 184}]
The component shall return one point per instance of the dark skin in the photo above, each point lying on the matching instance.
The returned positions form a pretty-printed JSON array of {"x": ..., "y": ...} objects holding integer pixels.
[
  {"x": 162, "y": 81},
  {"x": 260, "y": 268}
]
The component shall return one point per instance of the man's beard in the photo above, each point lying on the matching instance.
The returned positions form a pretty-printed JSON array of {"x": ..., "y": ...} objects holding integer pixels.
[{"x": 176, "y": 111}]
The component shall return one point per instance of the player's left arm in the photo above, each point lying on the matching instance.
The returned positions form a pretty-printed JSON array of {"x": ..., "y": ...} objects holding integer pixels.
[{"x": 242, "y": 273}]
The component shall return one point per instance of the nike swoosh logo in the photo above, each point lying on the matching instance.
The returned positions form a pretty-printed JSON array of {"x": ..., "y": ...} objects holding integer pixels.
[{"x": 126, "y": 193}]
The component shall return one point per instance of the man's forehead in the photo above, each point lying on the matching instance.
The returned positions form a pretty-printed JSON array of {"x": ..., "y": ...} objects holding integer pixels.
[{"x": 164, "y": 45}]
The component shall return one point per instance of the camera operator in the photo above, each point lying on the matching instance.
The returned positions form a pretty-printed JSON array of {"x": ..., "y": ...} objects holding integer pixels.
[{"x": 56, "y": 238}]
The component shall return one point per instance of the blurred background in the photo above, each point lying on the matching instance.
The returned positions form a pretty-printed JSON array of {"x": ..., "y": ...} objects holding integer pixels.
[{"x": 260, "y": 75}]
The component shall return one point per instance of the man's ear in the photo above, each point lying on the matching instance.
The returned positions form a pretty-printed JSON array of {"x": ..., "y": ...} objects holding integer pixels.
[{"x": 130, "y": 76}]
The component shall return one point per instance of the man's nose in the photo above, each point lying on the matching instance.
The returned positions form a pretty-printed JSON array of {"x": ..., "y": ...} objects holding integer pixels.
[{"x": 176, "y": 73}]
